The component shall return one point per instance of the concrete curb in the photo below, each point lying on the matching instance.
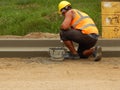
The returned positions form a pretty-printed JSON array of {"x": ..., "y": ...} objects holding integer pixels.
[{"x": 37, "y": 48}]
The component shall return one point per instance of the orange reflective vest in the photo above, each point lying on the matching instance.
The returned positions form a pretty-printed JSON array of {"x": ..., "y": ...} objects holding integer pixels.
[{"x": 83, "y": 22}]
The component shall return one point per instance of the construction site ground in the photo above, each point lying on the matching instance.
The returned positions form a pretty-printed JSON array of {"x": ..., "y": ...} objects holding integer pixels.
[{"x": 40, "y": 73}]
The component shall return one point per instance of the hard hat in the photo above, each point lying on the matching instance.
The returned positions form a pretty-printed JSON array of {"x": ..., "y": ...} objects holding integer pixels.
[{"x": 62, "y": 4}]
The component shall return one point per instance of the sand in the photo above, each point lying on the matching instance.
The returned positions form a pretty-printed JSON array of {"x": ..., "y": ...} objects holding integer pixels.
[{"x": 40, "y": 73}]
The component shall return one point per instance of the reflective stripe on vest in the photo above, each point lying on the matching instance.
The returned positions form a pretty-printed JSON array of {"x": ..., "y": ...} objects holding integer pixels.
[
  {"x": 80, "y": 19},
  {"x": 87, "y": 25}
]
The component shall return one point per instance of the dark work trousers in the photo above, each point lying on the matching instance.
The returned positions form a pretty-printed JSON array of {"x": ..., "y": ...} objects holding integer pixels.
[{"x": 85, "y": 41}]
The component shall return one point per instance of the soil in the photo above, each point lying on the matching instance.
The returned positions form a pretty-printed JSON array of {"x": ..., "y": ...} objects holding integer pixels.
[
  {"x": 33, "y": 35},
  {"x": 40, "y": 73}
]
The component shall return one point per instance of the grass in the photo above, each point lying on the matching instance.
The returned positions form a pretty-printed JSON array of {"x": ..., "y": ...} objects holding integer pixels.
[{"x": 20, "y": 17}]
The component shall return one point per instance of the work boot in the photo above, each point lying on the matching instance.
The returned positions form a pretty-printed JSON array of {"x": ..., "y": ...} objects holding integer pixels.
[
  {"x": 97, "y": 54},
  {"x": 75, "y": 56},
  {"x": 69, "y": 55}
]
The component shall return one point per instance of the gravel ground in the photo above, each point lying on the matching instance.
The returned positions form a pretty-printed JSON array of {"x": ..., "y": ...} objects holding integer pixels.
[{"x": 40, "y": 73}]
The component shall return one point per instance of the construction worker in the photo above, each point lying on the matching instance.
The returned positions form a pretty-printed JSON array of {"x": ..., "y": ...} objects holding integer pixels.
[{"x": 78, "y": 27}]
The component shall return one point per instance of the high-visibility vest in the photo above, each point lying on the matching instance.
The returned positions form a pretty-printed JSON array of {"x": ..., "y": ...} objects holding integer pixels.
[{"x": 82, "y": 21}]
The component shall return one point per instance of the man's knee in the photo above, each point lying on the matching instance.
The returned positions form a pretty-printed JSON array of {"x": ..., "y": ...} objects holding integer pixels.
[{"x": 64, "y": 34}]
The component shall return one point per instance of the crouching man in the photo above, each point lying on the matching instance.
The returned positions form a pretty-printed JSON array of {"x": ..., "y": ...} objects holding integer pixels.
[{"x": 80, "y": 28}]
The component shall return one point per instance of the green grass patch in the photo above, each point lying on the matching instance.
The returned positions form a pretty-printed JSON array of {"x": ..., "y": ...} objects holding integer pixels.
[{"x": 20, "y": 17}]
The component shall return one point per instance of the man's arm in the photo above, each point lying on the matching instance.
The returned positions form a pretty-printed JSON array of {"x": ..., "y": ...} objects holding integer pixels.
[{"x": 66, "y": 23}]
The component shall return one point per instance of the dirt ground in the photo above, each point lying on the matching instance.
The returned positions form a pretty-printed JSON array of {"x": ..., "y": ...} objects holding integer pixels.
[
  {"x": 40, "y": 73},
  {"x": 33, "y": 35}
]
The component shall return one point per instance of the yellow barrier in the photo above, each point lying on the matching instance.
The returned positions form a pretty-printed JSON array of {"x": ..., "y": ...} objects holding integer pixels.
[{"x": 110, "y": 18}]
